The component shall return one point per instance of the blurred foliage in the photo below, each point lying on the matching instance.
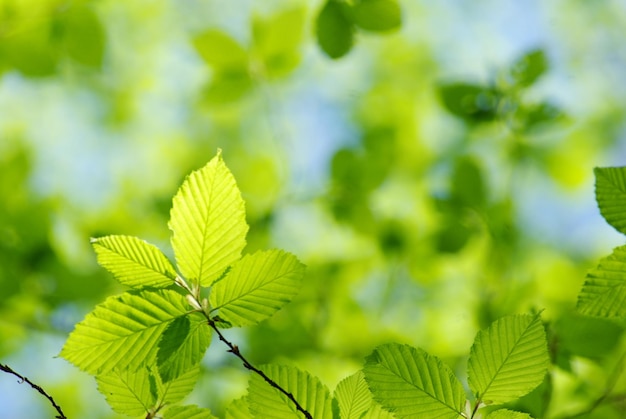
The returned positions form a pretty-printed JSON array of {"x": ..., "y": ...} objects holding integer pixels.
[{"x": 436, "y": 178}]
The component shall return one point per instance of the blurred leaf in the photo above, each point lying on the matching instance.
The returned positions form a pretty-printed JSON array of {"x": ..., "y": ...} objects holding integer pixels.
[
  {"x": 540, "y": 114},
  {"x": 128, "y": 392},
  {"x": 473, "y": 103},
  {"x": 188, "y": 412},
  {"x": 508, "y": 414},
  {"x": 611, "y": 195},
  {"x": 528, "y": 68},
  {"x": 81, "y": 35},
  {"x": 468, "y": 187},
  {"x": 453, "y": 235},
  {"x": 28, "y": 50},
  {"x": 221, "y": 51},
  {"x": 228, "y": 86},
  {"x": 377, "y": 15},
  {"x": 334, "y": 30},
  {"x": 587, "y": 336},
  {"x": 604, "y": 290}
]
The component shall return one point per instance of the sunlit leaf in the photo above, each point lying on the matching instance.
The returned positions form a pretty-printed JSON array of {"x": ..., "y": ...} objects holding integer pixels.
[
  {"x": 528, "y": 68},
  {"x": 81, "y": 35},
  {"x": 177, "y": 389},
  {"x": 334, "y": 30},
  {"x": 409, "y": 382},
  {"x": 604, "y": 291},
  {"x": 238, "y": 409},
  {"x": 256, "y": 287},
  {"x": 508, "y": 359},
  {"x": 188, "y": 412},
  {"x": 267, "y": 402},
  {"x": 508, "y": 414},
  {"x": 221, "y": 51},
  {"x": 208, "y": 222},
  {"x": 377, "y": 15},
  {"x": 353, "y": 396},
  {"x": 123, "y": 331},
  {"x": 134, "y": 262},
  {"x": 611, "y": 195},
  {"x": 128, "y": 392},
  {"x": 376, "y": 411}
]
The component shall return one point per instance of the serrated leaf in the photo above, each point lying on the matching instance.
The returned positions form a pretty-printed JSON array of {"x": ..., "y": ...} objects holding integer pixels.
[
  {"x": 353, "y": 396},
  {"x": 611, "y": 195},
  {"x": 188, "y": 412},
  {"x": 128, "y": 392},
  {"x": 604, "y": 290},
  {"x": 123, "y": 331},
  {"x": 334, "y": 30},
  {"x": 256, "y": 287},
  {"x": 177, "y": 389},
  {"x": 267, "y": 402},
  {"x": 238, "y": 409},
  {"x": 377, "y": 412},
  {"x": 408, "y": 381},
  {"x": 508, "y": 359},
  {"x": 208, "y": 223},
  {"x": 377, "y": 15},
  {"x": 134, "y": 262},
  {"x": 508, "y": 414},
  {"x": 182, "y": 345}
]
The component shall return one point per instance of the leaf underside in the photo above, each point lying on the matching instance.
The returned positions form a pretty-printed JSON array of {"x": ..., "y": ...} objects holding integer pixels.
[
  {"x": 177, "y": 389},
  {"x": 611, "y": 195},
  {"x": 604, "y": 291},
  {"x": 130, "y": 393},
  {"x": 353, "y": 396}
]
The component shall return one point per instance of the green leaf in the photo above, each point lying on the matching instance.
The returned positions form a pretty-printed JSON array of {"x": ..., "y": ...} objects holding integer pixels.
[
  {"x": 182, "y": 345},
  {"x": 377, "y": 412},
  {"x": 177, "y": 389},
  {"x": 508, "y": 414},
  {"x": 473, "y": 103},
  {"x": 334, "y": 30},
  {"x": 238, "y": 409},
  {"x": 134, "y": 262},
  {"x": 256, "y": 287},
  {"x": 267, "y": 402},
  {"x": 409, "y": 382},
  {"x": 586, "y": 336},
  {"x": 604, "y": 290},
  {"x": 208, "y": 222},
  {"x": 81, "y": 34},
  {"x": 188, "y": 412},
  {"x": 123, "y": 331},
  {"x": 528, "y": 68},
  {"x": 353, "y": 396},
  {"x": 377, "y": 15},
  {"x": 508, "y": 359},
  {"x": 128, "y": 392},
  {"x": 468, "y": 186},
  {"x": 611, "y": 195},
  {"x": 221, "y": 51}
]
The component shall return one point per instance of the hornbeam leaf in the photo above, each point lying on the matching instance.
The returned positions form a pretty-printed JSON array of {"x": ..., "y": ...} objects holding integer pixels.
[
  {"x": 611, "y": 195},
  {"x": 175, "y": 390},
  {"x": 256, "y": 287},
  {"x": 238, "y": 409},
  {"x": 182, "y": 345},
  {"x": 134, "y": 262},
  {"x": 604, "y": 291},
  {"x": 508, "y": 359},
  {"x": 508, "y": 414},
  {"x": 353, "y": 396},
  {"x": 208, "y": 223},
  {"x": 267, "y": 402},
  {"x": 410, "y": 383},
  {"x": 188, "y": 412},
  {"x": 128, "y": 392},
  {"x": 377, "y": 412},
  {"x": 123, "y": 331}
]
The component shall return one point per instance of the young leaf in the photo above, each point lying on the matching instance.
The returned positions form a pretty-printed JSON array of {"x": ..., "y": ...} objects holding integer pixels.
[
  {"x": 377, "y": 15},
  {"x": 526, "y": 70},
  {"x": 604, "y": 291},
  {"x": 208, "y": 223},
  {"x": 238, "y": 409},
  {"x": 353, "y": 396},
  {"x": 508, "y": 359},
  {"x": 129, "y": 393},
  {"x": 267, "y": 402},
  {"x": 177, "y": 389},
  {"x": 376, "y": 412},
  {"x": 508, "y": 414},
  {"x": 182, "y": 345},
  {"x": 123, "y": 331},
  {"x": 409, "y": 382},
  {"x": 134, "y": 262},
  {"x": 256, "y": 287},
  {"x": 611, "y": 195},
  {"x": 221, "y": 51},
  {"x": 188, "y": 412},
  {"x": 334, "y": 30}
]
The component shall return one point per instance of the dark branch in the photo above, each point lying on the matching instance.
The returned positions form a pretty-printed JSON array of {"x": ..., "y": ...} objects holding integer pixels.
[
  {"x": 235, "y": 351},
  {"x": 8, "y": 370}
]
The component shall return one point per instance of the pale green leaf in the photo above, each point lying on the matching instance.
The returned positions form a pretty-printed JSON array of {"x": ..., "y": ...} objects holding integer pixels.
[
  {"x": 611, "y": 195},
  {"x": 238, "y": 409},
  {"x": 377, "y": 15},
  {"x": 410, "y": 383},
  {"x": 182, "y": 345},
  {"x": 604, "y": 291},
  {"x": 267, "y": 402},
  {"x": 508, "y": 359},
  {"x": 353, "y": 396},
  {"x": 334, "y": 30},
  {"x": 208, "y": 223},
  {"x": 128, "y": 392},
  {"x": 134, "y": 262},
  {"x": 188, "y": 412},
  {"x": 221, "y": 51},
  {"x": 376, "y": 411},
  {"x": 508, "y": 414},
  {"x": 256, "y": 287},
  {"x": 278, "y": 34},
  {"x": 177, "y": 389},
  {"x": 123, "y": 331}
]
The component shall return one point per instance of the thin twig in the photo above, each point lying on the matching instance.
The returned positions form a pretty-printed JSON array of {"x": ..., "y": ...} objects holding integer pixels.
[
  {"x": 235, "y": 351},
  {"x": 8, "y": 369}
]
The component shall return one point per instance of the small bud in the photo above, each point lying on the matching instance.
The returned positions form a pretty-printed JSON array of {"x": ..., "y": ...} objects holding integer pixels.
[{"x": 193, "y": 302}]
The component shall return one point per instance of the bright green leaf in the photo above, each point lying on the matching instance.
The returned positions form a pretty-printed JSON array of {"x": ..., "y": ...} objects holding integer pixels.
[
  {"x": 221, "y": 51},
  {"x": 508, "y": 414},
  {"x": 409, "y": 382},
  {"x": 82, "y": 35},
  {"x": 376, "y": 411},
  {"x": 278, "y": 34},
  {"x": 177, "y": 389},
  {"x": 256, "y": 287},
  {"x": 377, "y": 15},
  {"x": 188, "y": 412},
  {"x": 267, "y": 402},
  {"x": 604, "y": 291},
  {"x": 128, "y": 392},
  {"x": 238, "y": 409},
  {"x": 208, "y": 222},
  {"x": 334, "y": 30},
  {"x": 123, "y": 331},
  {"x": 611, "y": 195},
  {"x": 353, "y": 396},
  {"x": 182, "y": 345},
  {"x": 508, "y": 359},
  {"x": 528, "y": 68},
  {"x": 134, "y": 262}
]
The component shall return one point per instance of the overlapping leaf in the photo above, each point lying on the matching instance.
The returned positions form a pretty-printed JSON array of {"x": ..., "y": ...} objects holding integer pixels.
[
  {"x": 208, "y": 223},
  {"x": 267, "y": 402},
  {"x": 508, "y": 414},
  {"x": 177, "y": 389},
  {"x": 509, "y": 359},
  {"x": 188, "y": 412},
  {"x": 256, "y": 287},
  {"x": 411, "y": 383},
  {"x": 132, "y": 393},
  {"x": 123, "y": 331},
  {"x": 238, "y": 409},
  {"x": 611, "y": 195},
  {"x": 134, "y": 262},
  {"x": 604, "y": 291},
  {"x": 353, "y": 396}
]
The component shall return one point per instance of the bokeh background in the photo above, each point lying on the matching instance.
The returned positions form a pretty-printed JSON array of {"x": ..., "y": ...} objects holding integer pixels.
[{"x": 435, "y": 178}]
